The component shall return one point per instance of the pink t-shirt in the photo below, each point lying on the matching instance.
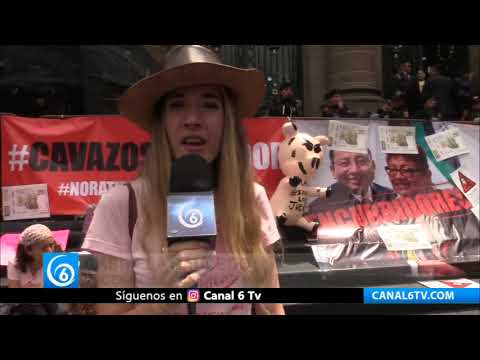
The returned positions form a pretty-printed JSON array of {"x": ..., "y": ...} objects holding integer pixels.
[
  {"x": 26, "y": 279},
  {"x": 108, "y": 234}
]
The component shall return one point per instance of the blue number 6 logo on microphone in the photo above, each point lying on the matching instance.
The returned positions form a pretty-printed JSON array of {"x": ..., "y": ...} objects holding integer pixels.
[
  {"x": 61, "y": 270},
  {"x": 190, "y": 218}
]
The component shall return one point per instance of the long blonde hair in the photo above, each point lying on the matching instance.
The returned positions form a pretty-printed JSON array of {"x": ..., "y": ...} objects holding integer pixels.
[{"x": 239, "y": 223}]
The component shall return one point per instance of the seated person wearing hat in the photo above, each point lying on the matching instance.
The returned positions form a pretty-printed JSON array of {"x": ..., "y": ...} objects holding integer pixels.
[
  {"x": 285, "y": 103},
  {"x": 26, "y": 271},
  {"x": 335, "y": 107}
]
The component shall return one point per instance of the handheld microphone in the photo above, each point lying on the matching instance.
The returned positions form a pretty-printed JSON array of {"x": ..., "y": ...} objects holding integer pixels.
[{"x": 191, "y": 205}]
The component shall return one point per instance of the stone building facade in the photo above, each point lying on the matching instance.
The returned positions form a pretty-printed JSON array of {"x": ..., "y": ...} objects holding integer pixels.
[{"x": 71, "y": 80}]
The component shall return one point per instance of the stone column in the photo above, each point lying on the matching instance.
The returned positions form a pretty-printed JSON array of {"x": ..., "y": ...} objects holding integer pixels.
[
  {"x": 356, "y": 70},
  {"x": 314, "y": 78}
]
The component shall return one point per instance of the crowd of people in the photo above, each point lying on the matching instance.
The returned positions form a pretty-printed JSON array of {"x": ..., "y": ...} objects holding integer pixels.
[
  {"x": 424, "y": 96},
  {"x": 433, "y": 95}
]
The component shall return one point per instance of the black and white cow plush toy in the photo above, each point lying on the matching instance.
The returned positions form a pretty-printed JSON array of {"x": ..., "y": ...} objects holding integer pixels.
[{"x": 299, "y": 157}]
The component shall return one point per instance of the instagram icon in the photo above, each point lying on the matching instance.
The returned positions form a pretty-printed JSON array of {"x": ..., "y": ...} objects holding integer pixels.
[{"x": 193, "y": 295}]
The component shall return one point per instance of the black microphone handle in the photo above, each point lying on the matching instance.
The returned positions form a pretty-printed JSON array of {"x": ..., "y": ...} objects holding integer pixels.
[{"x": 192, "y": 308}]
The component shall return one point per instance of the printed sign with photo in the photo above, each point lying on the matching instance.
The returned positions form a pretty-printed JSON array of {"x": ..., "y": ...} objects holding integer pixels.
[
  {"x": 447, "y": 144},
  {"x": 25, "y": 202},
  {"x": 348, "y": 137},
  {"x": 397, "y": 139}
]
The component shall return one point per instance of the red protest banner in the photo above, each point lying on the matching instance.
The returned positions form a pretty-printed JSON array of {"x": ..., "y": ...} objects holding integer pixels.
[
  {"x": 79, "y": 158},
  {"x": 264, "y": 136}
]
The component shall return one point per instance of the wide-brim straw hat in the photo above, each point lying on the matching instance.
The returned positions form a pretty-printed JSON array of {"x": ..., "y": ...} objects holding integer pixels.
[{"x": 191, "y": 65}]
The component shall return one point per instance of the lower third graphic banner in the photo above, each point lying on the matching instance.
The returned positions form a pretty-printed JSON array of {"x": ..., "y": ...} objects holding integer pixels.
[{"x": 284, "y": 295}]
